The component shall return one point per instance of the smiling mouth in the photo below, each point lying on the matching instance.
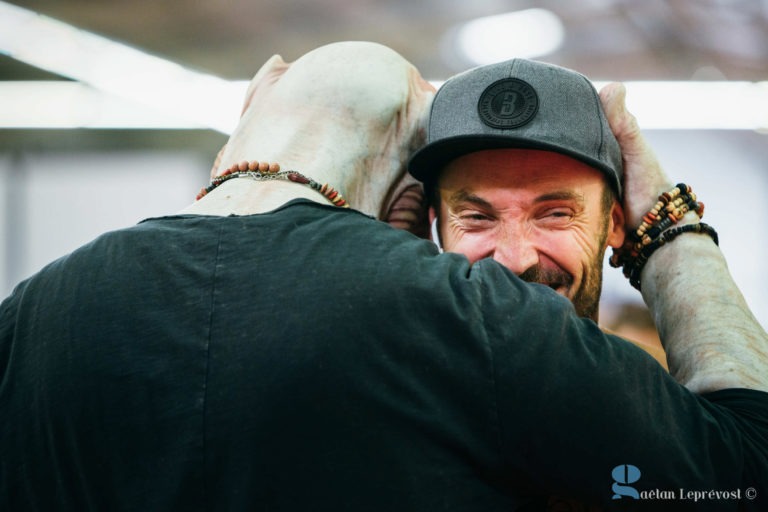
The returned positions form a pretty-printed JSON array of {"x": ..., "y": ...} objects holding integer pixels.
[{"x": 556, "y": 279}]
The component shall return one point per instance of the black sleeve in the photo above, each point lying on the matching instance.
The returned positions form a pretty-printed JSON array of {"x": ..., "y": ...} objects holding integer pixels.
[
  {"x": 7, "y": 326},
  {"x": 575, "y": 404}
]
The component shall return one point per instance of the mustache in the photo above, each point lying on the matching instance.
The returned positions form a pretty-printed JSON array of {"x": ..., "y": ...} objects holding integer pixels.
[{"x": 552, "y": 277}]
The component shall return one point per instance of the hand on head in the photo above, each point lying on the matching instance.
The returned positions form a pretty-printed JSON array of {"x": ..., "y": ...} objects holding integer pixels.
[{"x": 644, "y": 178}]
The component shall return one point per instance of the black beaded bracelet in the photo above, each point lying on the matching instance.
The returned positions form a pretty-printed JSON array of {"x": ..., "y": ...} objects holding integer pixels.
[{"x": 633, "y": 271}]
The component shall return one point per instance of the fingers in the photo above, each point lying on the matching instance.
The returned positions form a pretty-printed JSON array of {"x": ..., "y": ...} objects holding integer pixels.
[
  {"x": 634, "y": 148},
  {"x": 623, "y": 124},
  {"x": 613, "y": 96},
  {"x": 643, "y": 177},
  {"x": 409, "y": 212}
]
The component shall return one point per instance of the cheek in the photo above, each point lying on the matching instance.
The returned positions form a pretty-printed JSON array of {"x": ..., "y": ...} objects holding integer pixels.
[
  {"x": 569, "y": 251},
  {"x": 463, "y": 246},
  {"x": 473, "y": 246},
  {"x": 589, "y": 241}
]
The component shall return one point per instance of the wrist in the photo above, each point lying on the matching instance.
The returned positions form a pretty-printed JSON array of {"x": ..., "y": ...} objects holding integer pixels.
[{"x": 676, "y": 212}]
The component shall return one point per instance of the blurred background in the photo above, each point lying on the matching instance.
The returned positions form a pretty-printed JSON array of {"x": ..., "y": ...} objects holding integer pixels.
[{"x": 112, "y": 111}]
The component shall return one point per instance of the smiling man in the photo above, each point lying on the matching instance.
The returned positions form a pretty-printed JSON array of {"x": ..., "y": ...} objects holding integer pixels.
[
  {"x": 522, "y": 167},
  {"x": 543, "y": 215}
]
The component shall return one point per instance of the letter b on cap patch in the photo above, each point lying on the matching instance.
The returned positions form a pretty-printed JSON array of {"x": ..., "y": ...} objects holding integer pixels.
[{"x": 508, "y": 103}]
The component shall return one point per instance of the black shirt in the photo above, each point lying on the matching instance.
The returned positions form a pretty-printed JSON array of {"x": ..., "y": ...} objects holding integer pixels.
[{"x": 313, "y": 358}]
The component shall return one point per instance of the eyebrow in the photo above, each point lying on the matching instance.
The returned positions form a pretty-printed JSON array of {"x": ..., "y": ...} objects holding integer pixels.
[
  {"x": 561, "y": 195},
  {"x": 463, "y": 195}
]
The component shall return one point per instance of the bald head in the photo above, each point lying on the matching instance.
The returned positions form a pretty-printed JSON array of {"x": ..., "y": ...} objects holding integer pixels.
[{"x": 347, "y": 113}]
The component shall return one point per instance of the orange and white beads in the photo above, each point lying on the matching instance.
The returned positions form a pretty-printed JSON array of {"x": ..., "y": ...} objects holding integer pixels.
[{"x": 262, "y": 171}]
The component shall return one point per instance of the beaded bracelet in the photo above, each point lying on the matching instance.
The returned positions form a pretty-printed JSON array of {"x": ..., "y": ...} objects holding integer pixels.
[
  {"x": 654, "y": 231},
  {"x": 668, "y": 210},
  {"x": 633, "y": 271}
]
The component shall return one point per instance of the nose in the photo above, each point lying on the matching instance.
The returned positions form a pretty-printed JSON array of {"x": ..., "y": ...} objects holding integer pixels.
[{"x": 515, "y": 249}]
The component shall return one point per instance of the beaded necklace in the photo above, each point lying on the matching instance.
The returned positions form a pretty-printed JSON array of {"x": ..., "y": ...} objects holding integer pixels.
[{"x": 263, "y": 171}]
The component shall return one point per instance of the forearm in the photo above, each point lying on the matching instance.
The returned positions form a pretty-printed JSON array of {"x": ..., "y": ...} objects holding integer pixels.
[{"x": 711, "y": 338}]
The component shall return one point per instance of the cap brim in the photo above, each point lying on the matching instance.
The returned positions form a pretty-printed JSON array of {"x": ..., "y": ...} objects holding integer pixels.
[{"x": 427, "y": 162}]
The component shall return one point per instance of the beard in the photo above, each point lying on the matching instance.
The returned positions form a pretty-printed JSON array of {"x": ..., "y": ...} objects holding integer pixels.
[{"x": 586, "y": 299}]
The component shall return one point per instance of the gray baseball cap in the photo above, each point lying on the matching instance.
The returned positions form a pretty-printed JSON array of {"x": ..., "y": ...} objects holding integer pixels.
[{"x": 518, "y": 103}]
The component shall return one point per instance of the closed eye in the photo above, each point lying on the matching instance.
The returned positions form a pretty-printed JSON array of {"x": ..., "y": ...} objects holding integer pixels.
[
  {"x": 470, "y": 220},
  {"x": 556, "y": 217},
  {"x": 474, "y": 216}
]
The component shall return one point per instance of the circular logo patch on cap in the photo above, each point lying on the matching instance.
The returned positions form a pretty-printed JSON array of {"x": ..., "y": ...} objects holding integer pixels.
[{"x": 508, "y": 103}]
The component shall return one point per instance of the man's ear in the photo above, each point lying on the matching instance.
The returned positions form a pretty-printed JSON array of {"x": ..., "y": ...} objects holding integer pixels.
[
  {"x": 616, "y": 231},
  {"x": 267, "y": 75},
  {"x": 434, "y": 229},
  {"x": 217, "y": 162}
]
